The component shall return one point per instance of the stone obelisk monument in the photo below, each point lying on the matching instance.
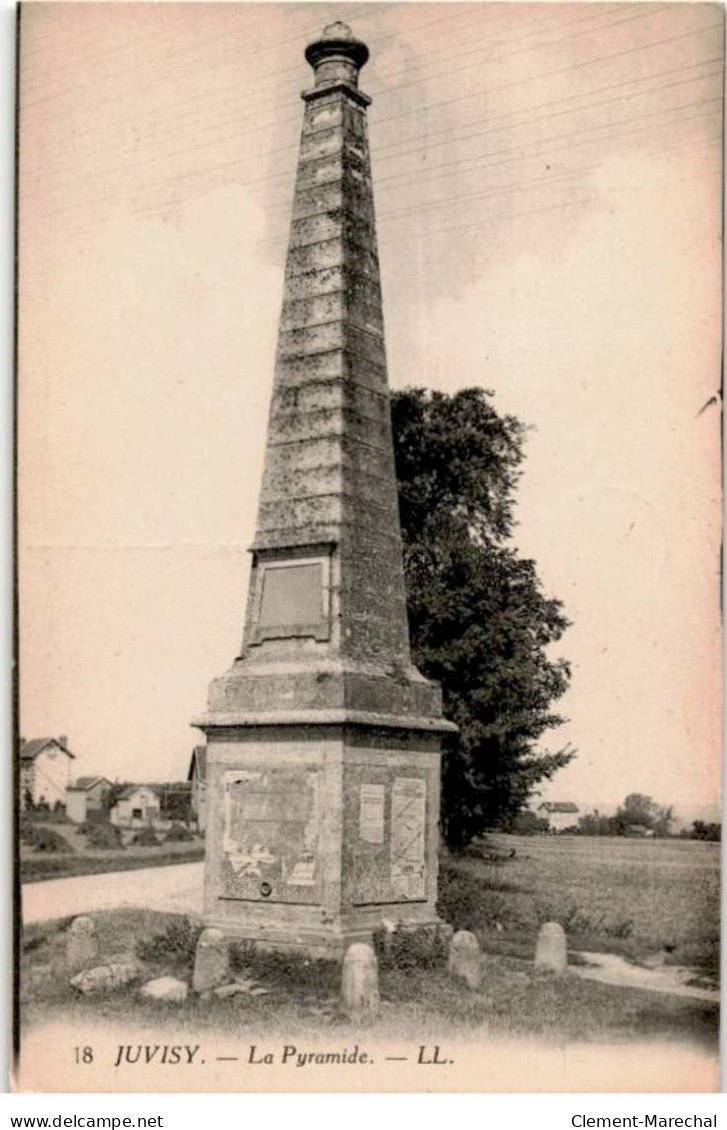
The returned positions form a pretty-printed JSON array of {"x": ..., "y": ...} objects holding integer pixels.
[{"x": 323, "y": 739}]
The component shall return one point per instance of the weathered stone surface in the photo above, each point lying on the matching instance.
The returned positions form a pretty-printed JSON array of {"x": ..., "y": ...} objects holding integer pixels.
[
  {"x": 106, "y": 978},
  {"x": 465, "y": 960},
  {"x": 234, "y": 989},
  {"x": 551, "y": 954},
  {"x": 360, "y": 983},
  {"x": 165, "y": 989},
  {"x": 81, "y": 944},
  {"x": 211, "y": 961},
  {"x": 325, "y": 666}
]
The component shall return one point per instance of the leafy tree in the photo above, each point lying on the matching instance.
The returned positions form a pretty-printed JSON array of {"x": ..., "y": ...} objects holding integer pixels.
[
  {"x": 479, "y": 620},
  {"x": 596, "y": 824},
  {"x": 703, "y": 831},
  {"x": 526, "y": 823},
  {"x": 638, "y": 809}
]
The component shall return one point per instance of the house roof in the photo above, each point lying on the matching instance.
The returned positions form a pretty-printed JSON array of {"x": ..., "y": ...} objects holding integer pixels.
[
  {"x": 198, "y": 758},
  {"x": 131, "y": 789},
  {"x": 83, "y": 784},
  {"x": 560, "y": 806},
  {"x": 29, "y": 750}
]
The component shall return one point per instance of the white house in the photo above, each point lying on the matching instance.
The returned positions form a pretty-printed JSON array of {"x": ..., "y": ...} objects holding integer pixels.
[
  {"x": 198, "y": 776},
  {"x": 86, "y": 796},
  {"x": 560, "y": 814},
  {"x": 137, "y": 807},
  {"x": 45, "y": 771}
]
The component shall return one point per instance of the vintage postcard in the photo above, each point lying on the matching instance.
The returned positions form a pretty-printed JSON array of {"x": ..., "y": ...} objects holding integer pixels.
[{"x": 369, "y": 521}]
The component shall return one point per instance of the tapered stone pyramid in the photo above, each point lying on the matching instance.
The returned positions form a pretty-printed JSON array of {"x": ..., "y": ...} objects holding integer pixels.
[{"x": 323, "y": 736}]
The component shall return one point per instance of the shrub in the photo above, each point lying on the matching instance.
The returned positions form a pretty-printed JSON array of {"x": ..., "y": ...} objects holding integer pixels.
[
  {"x": 467, "y": 901},
  {"x": 175, "y": 944},
  {"x": 107, "y": 837},
  {"x": 294, "y": 972},
  {"x": 178, "y": 834},
  {"x": 145, "y": 837},
  {"x": 46, "y": 840},
  {"x": 27, "y": 831},
  {"x": 410, "y": 949}
]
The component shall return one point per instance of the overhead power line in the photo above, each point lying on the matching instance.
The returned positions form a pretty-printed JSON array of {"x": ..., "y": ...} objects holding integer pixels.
[
  {"x": 609, "y": 56},
  {"x": 253, "y": 111},
  {"x": 432, "y": 172}
]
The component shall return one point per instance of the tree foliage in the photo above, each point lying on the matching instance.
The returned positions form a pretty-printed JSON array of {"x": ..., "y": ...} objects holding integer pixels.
[
  {"x": 700, "y": 830},
  {"x": 479, "y": 620},
  {"x": 638, "y": 811}
]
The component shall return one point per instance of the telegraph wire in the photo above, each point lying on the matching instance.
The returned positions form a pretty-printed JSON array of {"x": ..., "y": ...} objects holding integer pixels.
[
  {"x": 466, "y": 198},
  {"x": 236, "y": 161},
  {"x": 491, "y": 91},
  {"x": 431, "y": 172},
  {"x": 383, "y": 217},
  {"x": 427, "y": 137},
  {"x": 560, "y": 70},
  {"x": 405, "y": 113},
  {"x": 236, "y": 118},
  {"x": 427, "y": 146},
  {"x": 238, "y": 54}
]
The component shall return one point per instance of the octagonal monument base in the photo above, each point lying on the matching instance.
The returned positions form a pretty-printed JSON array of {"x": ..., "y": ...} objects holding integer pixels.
[{"x": 321, "y": 828}]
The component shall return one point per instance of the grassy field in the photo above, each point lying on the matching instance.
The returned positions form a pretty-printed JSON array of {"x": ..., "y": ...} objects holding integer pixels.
[
  {"x": 85, "y": 860},
  {"x": 629, "y": 896},
  {"x": 632, "y": 897}
]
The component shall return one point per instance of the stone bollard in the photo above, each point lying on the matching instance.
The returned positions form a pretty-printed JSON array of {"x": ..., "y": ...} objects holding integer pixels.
[
  {"x": 211, "y": 961},
  {"x": 464, "y": 959},
  {"x": 360, "y": 983},
  {"x": 551, "y": 955},
  {"x": 81, "y": 945}
]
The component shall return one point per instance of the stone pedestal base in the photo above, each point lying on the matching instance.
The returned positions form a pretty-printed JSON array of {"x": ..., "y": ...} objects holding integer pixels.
[{"x": 319, "y": 835}]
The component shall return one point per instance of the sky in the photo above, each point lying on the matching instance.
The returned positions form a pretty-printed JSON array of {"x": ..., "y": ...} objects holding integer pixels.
[{"x": 547, "y": 181}]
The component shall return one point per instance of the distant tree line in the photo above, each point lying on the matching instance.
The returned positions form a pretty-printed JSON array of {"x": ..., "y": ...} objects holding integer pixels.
[
  {"x": 702, "y": 831},
  {"x": 638, "y": 815}
]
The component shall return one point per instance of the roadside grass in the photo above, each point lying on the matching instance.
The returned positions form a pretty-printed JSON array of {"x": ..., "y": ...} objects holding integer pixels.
[
  {"x": 84, "y": 859},
  {"x": 302, "y": 997},
  {"x": 637, "y": 898}
]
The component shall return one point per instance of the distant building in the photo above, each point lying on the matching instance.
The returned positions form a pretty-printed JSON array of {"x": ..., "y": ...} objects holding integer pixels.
[
  {"x": 85, "y": 797},
  {"x": 45, "y": 771},
  {"x": 198, "y": 777},
  {"x": 138, "y": 806},
  {"x": 560, "y": 814},
  {"x": 640, "y": 831}
]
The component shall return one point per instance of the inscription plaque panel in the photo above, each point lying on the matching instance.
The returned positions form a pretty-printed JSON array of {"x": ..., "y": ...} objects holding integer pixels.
[
  {"x": 270, "y": 838},
  {"x": 292, "y": 596},
  {"x": 385, "y": 843},
  {"x": 408, "y": 833}
]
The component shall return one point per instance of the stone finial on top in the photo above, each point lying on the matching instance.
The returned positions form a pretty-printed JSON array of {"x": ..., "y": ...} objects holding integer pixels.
[{"x": 337, "y": 55}]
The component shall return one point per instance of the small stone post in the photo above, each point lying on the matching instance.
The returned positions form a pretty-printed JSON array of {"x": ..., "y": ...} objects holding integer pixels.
[
  {"x": 551, "y": 954},
  {"x": 81, "y": 944},
  {"x": 360, "y": 983},
  {"x": 464, "y": 959},
  {"x": 211, "y": 961}
]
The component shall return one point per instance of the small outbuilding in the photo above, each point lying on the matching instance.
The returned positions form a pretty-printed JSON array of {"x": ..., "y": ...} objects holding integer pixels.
[
  {"x": 138, "y": 806},
  {"x": 560, "y": 814},
  {"x": 85, "y": 797}
]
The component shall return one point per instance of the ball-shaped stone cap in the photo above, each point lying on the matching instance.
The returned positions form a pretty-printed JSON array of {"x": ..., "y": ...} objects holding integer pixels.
[{"x": 337, "y": 40}]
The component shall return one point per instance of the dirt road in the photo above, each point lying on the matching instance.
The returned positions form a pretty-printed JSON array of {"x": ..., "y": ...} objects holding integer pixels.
[{"x": 175, "y": 889}]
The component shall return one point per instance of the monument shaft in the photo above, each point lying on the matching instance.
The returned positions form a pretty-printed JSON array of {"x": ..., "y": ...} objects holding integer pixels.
[{"x": 323, "y": 739}]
